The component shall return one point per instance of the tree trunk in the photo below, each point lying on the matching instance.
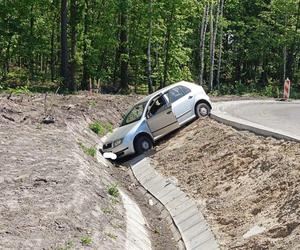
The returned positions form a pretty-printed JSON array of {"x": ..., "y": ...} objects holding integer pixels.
[
  {"x": 124, "y": 47},
  {"x": 150, "y": 87},
  {"x": 220, "y": 46},
  {"x": 213, "y": 36},
  {"x": 6, "y": 61},
  {"x": 64, "y": 44},
  {"x": 202, "y": 43},
  {"x": 52, "y": 56},
  {"x": 167, "y": 46},
  {"x": 85, "y": 73},
  {"x": 73, "y": 24},
  {"x": 31, "y": 49}
]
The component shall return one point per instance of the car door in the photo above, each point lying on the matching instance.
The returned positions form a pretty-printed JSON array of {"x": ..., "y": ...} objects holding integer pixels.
[
  {"x": 160, "y": 118},
  {"x": 183, "y": 102}
]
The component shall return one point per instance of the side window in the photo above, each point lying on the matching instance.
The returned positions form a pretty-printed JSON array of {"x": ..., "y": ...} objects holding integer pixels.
[
  {"x": 174, "y": 94},
  {"x": 185, "y": 90},
  {"x": 158, "y": 106}
]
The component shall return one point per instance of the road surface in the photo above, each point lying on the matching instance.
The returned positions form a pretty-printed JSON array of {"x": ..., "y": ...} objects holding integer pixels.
[{"x": 279, "y": 118}]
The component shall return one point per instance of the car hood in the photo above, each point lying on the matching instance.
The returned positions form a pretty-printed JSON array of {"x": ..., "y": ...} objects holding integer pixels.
[{"x": 120, "y": 133}]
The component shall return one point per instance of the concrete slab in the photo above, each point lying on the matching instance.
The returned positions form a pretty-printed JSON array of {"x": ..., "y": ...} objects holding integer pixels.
[
  {"x": 186, "y": 214},
  {"x": 157, "y": 187},
  {"x": 178, "y": 202},
  {"x": 178, "y": 210},
  {"x": 208, "y": 245},
  {"x": 190, "y": 222},
  {"x": 156, "y": 182},
  {"x": 171, "y": 196},
  {"x": 197, "y": 234}
]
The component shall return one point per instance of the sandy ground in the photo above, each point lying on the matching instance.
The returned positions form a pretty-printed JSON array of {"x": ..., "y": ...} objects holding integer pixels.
[
  {"x": 53, "y": 195},
  {"x": 243, "y": 183}
]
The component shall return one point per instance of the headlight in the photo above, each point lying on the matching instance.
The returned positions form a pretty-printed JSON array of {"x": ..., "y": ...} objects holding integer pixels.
[{"x": 118, "y": 142}]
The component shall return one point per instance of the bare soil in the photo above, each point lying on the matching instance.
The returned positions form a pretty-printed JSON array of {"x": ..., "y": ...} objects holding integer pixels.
[
  {"x": 53, "y": 195},
  {"x": 241, "y": 181}
]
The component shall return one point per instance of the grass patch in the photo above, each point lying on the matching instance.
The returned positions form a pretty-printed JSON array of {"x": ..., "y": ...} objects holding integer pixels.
[
  {"x": 107, "y": 211},
  {"x": 86, "y": 241},
  {"x": 68, "y": 246},
  {"x": 101, "y": 128},
  {"x": 89, "y": 151},
  {"x": 113, "y": 191},
  {"x": 112, "y": 236}
]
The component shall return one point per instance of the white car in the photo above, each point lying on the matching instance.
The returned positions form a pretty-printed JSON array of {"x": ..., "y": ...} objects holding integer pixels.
[{"x": 155, "y": 116}]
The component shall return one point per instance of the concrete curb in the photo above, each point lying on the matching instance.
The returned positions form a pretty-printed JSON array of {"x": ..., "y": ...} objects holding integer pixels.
[
  {"x": 191, "y": 224},
  {"x": 219, "y": 114}
]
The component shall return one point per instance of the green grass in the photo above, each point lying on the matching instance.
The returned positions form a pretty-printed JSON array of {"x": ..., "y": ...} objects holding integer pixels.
[
  {"x": 89, "y": 151},
  {"x": 107, "y": 211},
  {"x": 112, "y": 236},
  {"x": 68, "y": 246},
  {"x": 113, "y": 191},
  {"x": 86, "y": 240},
  {"x": 101, "y": 128}
]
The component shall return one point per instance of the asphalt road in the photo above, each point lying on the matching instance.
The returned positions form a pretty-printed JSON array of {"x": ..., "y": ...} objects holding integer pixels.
[{"x": 280, "y": 116}]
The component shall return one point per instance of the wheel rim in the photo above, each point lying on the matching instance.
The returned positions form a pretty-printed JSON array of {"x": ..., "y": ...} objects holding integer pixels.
[
  {"x": 203, "y": 111},
  {"x": 145, "y": 145}
]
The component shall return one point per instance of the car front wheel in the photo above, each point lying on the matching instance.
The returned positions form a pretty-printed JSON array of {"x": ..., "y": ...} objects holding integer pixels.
[
  {"x": 202, "y": 110},
  {"x": 143, "y": 144}
]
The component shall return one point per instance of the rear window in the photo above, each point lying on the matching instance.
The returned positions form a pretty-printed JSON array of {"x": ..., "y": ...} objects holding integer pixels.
[
  {"x": 174, "y": 94},
  {"x": 177, "y": 92},
  {"x": 184, "y": 89}
]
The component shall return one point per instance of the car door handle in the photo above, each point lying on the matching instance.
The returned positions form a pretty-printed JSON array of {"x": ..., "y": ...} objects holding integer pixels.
[
  {"x": 169, "y": 112},
  {"x": 190, "y": 97}
]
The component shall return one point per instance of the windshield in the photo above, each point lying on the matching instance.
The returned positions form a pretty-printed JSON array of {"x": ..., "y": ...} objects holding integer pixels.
[{"x": 134, "y": 114}]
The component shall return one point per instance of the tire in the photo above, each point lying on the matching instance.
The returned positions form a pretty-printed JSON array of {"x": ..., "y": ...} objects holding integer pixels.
[
  {"x": 202, "y": 110},
  {"x": 142, "y": 144}
]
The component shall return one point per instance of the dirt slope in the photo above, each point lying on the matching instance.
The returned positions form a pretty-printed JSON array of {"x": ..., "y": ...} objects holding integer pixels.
[
  {"x": 53, "y": 195},
  {"x": 241, "y": 181}
]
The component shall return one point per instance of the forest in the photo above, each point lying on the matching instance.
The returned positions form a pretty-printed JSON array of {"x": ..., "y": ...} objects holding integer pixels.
[{"x": 228, "y": 46}]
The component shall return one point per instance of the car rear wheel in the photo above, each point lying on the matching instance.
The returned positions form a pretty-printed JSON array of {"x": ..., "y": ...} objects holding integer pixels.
[
  {"x": 142, "y": 144},
  {"x": 202, "y": 110}
]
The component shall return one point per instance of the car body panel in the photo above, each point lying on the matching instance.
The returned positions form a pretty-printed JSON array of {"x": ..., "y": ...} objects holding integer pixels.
[
  {"x": 172, "y": 116},
  {"x": 162, "y": 123}
]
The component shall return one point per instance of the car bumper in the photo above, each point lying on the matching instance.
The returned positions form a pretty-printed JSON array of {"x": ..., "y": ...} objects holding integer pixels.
[{"x": 121, "y": 151}]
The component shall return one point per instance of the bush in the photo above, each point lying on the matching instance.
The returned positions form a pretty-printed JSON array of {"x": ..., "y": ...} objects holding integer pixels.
[
  {"x": 113, "y": 191},
  {"x": 89, "y": 151},
  {"x": 100, "y": 129}
]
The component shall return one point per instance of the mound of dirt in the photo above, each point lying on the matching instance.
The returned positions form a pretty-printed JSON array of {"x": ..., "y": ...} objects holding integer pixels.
[
  {"x": 53, "y": 194},
  {"x": 247, "y": 186}
]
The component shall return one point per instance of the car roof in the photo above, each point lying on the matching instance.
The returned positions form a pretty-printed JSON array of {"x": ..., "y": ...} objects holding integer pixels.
[{"x": 165, "y": 89}]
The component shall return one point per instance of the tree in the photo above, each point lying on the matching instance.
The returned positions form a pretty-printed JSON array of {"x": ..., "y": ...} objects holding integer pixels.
[
  {"x": 73, "y": 24},
  {"x": 123, "y": 46},
  {"x": 202, "y": 42},
  {"x": 150, "y": 86},
  {"x": 64, "y": 45}
]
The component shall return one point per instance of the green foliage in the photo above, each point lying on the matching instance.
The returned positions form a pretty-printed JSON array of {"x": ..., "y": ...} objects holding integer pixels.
[
  {"x": 261, "y": 31},
  {"x": 100, "y": 128},
  {"x": 19, "y": 90},
  {"x": 112, "y": 236},
  {"x": 89, "y": 151},
  {"x": 113, "y": 191},
  {"x": 97, "y": 128},
  {"x": 86, "y": 240},
  {"x": 68, "y": 246},
  {"x": 107, "y": 211}
]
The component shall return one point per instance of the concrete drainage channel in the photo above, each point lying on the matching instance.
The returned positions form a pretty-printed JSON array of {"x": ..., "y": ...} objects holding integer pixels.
[{"x": 191, "y": 224}]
